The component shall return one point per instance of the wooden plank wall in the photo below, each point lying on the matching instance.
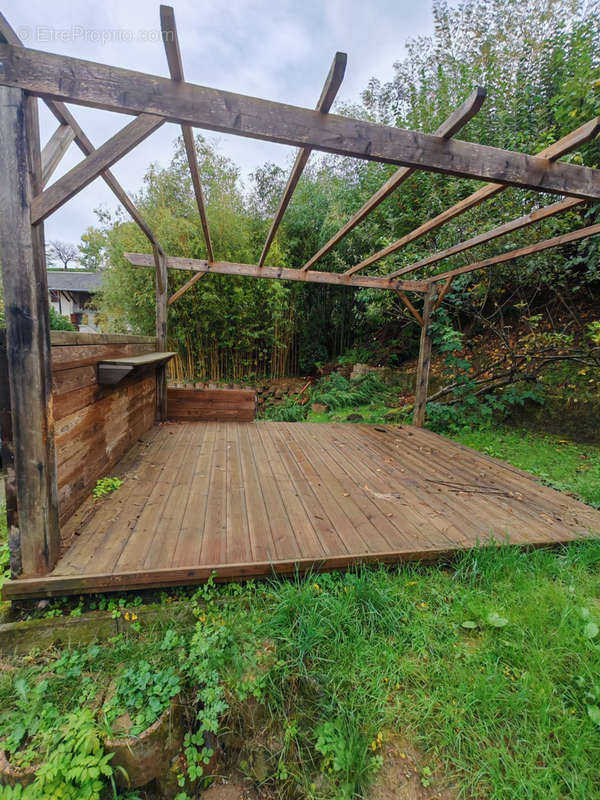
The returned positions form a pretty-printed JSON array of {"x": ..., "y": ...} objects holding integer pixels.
[
  {"x": 212, "y": 405},
  {"x": 95, "y": 424}
]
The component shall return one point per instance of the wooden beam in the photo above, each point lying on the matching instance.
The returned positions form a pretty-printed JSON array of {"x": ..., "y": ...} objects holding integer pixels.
[
  {"x": 457, "y": 120},
  {"x": 7, "y": 451},
  {"x": 442, "y": 294},
  {"x": 424, "y": 363},
  {"x": 171, "y": 42},
  {"x": 73, "y": 80},
  {"x": 91, "y": 167},
  {"x": 275, "y": 273},
  {"x": 569, "y": 142},
  {"x": 183, "y": 289},
  {"x": 547, "y": 244},
  {"x": 64, "y": 117},
  {"x": 23, "y": 257},
  {"x": 501, "y": 230},
  {"x": 411, "y": 308},
  {"x": 57, "y": 146},
  {"x": 330, "y": 90},
  {"x": 162, "y": 286}
]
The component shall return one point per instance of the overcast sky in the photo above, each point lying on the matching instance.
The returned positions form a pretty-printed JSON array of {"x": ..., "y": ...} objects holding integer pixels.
[{"x": 278, "y": 50}]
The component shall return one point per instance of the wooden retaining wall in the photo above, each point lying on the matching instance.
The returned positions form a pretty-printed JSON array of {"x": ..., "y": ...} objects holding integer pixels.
[
  {"x": 211, "y": 405},
  {"x": 95, "y": 424}
]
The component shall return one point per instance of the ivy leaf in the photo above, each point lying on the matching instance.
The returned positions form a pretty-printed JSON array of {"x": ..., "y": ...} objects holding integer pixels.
[
  {"x": 495, "y": 620},
  {"x": 591, "y": 630}
]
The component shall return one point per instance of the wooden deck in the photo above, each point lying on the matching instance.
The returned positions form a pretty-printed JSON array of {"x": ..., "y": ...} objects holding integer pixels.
[{"x": 251, "y": 499}]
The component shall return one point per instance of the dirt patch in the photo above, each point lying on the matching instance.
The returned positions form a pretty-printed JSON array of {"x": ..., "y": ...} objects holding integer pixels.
[
  {"x": 229, "y": 791},
  {"x": 407, "y": 774}
]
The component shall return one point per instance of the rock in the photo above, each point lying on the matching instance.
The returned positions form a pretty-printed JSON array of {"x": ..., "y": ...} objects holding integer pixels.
[
  {"x": 319, "y": 408},
  {"x": 43, "y": 604},
  {"x": 355, "y": 418}
]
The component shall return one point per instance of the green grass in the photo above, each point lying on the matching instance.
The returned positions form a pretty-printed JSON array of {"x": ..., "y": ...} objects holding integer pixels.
[{"x": 564, "y": 465}]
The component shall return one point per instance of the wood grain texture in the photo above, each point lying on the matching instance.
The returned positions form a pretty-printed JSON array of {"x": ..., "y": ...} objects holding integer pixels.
[
  {"x": 424, "y": 361},
  {"x": 95, "y": 425},
  {"x": 54, "y": 150},
  {"x": 276, "y": 273},
  {"x": 242, "y": 500},
  {"x": 62, "y": 78},
  {"x": 22, "y": 253},
  {"x": 232, "y": 405}
]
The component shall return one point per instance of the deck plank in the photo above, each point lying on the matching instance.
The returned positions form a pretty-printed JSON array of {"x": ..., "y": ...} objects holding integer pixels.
[{"x": 250, "y": 499}]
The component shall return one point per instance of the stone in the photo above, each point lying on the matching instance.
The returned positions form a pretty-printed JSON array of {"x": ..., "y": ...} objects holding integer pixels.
[
  {"x": 319, "y": 408},
  {"x": 355, "y": 418}
]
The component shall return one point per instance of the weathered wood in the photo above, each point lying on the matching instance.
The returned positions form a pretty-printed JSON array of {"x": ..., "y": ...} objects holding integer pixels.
[
  {"x": 457, "y": 120},
  {"x": 22, "y": 253},
  {"x": 424, "y": 362},
  {"x": 569, "y": 142},
  {"x": 114, "y": 89},
  {"x": 488, "y": 236},
  {"x": 183, "y": 289},
  {"x": 112, "y": 371},
  {"x": 240, "y": 500},
  {"x": 547, "y": 244},
  {"x": 171, "y": 43},
  {"x": 330, "y": 89},
  {"x": 57, "y": 146},
  {"x": 275, "y": 273},
  {"x": 212, "y": 404},
  {"x": 64, "y": 117},
  {"x": 7, "y": 457},
  {"x": 94, "y": 165},
  {"x": 162, "y": 288},
  {"x": 71, "y": 338},
  {"x": 411, "y": 308},
  {"x": 444, "y": 291}
]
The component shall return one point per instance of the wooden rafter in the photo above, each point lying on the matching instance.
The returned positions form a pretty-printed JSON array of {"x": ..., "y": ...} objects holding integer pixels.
[
  {"x": 57, "y": 146},
  {"x": 65, "y": 117},
  {"x": 560, "y": 148},
  {"x": 171, "y": 42},
  {"x": 547, "y": 244},
  {"x": 115, "y": 89},
  {"x": 501, "y": 230},
  {"x": 183, "y": 289},
  {"x": 330, "y": 90},
  {"x": 457, "y": 120},
  {"x": 276, "y": 273},
  {"x": 416, "y": 314},
  {"x": 94, "y": 165}
]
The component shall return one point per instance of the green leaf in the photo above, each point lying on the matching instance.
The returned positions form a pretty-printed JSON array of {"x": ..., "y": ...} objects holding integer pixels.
[
  {"x": 591, "y": 630},
  {"x": 594, "y": 714},
  {"x": 495, "y": 620},
  {"x": 469, "y": 623}
]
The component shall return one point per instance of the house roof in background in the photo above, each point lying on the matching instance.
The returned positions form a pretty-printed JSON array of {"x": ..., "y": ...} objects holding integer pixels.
[{"x": 72, "y": 281}]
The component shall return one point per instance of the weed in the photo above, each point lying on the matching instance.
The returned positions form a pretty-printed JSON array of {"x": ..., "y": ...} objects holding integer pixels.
[{"x": 106, "y": 486}]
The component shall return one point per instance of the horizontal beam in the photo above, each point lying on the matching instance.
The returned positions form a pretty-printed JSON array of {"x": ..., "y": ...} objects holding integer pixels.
[
  {"x": 58, "y": 77},
  {"x": 276, "y": 273},
  {"x": 571, "y": 141},
  {"x": 457, "y": 120},
  {"x": 94, "y": 165},
  {"x": 547, "y": 244},
  {"x": 508, "y": 227},
  {"x": 330, "y": 90},
  {"x": 64, "y": 117},
  {"x": 57, "y": 146},
  {"x": 174, "y": 60}
]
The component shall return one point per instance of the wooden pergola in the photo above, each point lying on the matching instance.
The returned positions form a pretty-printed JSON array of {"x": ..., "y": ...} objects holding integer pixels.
[{"x": 27, "y": 199}]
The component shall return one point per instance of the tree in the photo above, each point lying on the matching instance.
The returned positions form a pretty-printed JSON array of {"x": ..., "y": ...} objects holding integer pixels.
[
  {"x": 91, "y": 249},
  {"x": 63, "y": 252}
]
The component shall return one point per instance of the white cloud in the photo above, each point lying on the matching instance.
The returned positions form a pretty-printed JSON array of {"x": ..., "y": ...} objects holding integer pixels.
[{"x": 281, "y": 51}]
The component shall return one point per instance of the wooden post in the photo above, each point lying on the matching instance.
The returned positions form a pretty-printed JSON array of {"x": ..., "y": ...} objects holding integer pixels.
[
  {"x": 162, "y": 287},
  {"x": 35, "y": 531},
  {"x": 422, "y": 380},
  {"x": 8, "y": 461}
]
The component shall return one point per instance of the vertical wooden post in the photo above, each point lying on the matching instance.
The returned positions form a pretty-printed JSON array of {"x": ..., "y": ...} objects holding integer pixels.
[
  {"x": 162, "y": 286},
  {"x": 8, "y": 461},
  {"x": 22, "y": 254},
  {"x": 424, "y": 363}
]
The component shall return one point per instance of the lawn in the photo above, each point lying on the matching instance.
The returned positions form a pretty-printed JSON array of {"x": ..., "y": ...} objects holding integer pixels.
[{"x": 489, "y": 664}]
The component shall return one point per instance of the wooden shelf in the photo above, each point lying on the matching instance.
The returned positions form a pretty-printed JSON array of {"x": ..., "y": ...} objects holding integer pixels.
[{"x": 113, "y": 370}]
